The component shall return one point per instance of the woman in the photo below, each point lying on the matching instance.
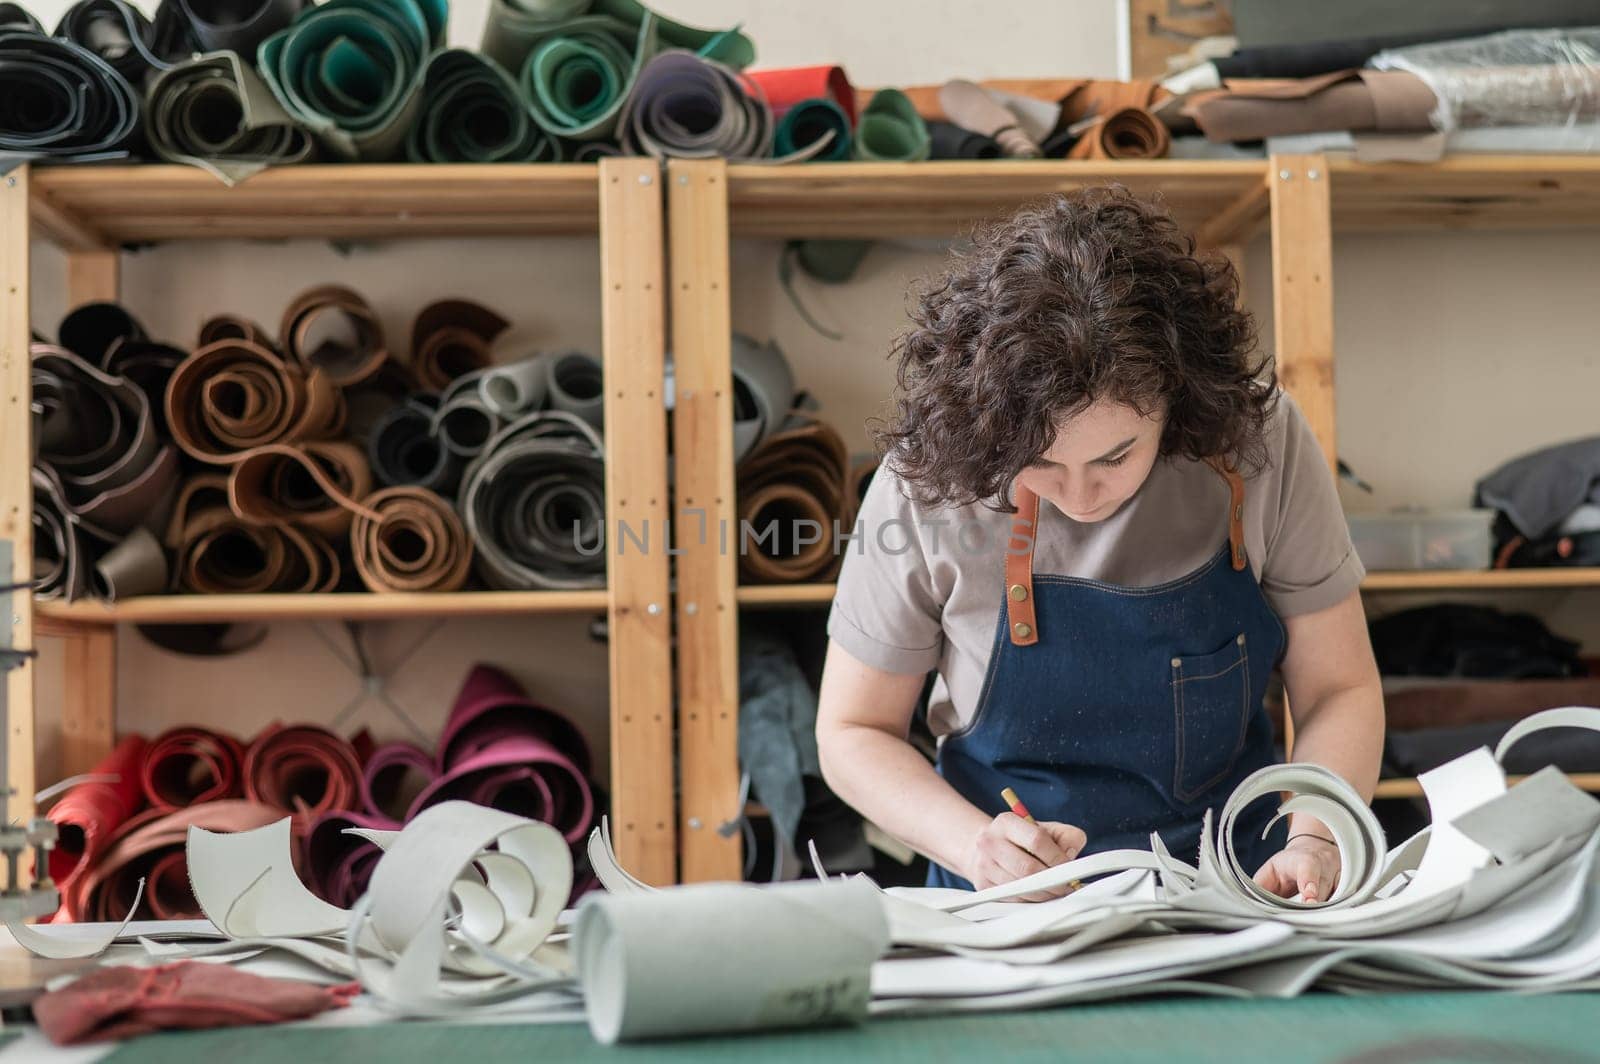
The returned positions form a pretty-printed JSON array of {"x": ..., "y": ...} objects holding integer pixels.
[{"x": 1103, "y": 527}]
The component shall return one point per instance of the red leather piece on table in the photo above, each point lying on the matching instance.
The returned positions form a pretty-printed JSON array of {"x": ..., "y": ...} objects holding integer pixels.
[{"x": 89, "y": 814}]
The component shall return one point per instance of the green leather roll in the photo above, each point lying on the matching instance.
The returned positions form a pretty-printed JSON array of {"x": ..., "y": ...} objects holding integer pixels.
[
  {"x": 577, "y": 76},
  {"x": 350, "y": 71},
  {"x": 808, "y": 122},
  {"x": 891, "y": 130},
  {"x": 472, "y": 113},
  {"x": 214, "y": 112},
  {"x": 516, "y": 26}
]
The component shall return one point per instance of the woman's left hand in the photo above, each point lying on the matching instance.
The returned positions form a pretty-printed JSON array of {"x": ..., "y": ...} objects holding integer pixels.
[{"x": 1307, "y": 869}]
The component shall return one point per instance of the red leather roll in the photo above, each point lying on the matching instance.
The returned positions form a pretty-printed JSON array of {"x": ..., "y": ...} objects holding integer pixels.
[
  {"x": 786, "y": 87},
  {"x": 302, "y": 768},
  {"x": 88, "y": 815},
  {"x": 186, "y": 766}
]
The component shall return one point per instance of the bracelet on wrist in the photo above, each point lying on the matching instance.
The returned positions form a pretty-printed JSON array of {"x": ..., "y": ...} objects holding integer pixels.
[{"x": 1310, "y": 835}]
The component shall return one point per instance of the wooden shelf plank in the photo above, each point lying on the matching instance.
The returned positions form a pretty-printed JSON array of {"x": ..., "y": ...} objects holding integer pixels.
[
  {"x": 944, "y": 198},
  {"x": 1481, "y": 580},
  {"x": 200, "y": 609},
  {"x": 785, "y": 595},
  {"x": 135, "y": 204},
  {"x": 1467, "y": 192},
  {"x": 1410, "y": 788}
]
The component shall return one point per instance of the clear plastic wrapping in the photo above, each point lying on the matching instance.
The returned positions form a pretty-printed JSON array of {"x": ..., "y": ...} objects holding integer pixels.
[{"x": 1517, "y": 78}]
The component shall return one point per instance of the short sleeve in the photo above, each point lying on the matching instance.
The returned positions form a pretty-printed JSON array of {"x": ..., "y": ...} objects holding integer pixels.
[
  {"x": 1310, "y": 562},
  {"x": 887, "y": 611}
]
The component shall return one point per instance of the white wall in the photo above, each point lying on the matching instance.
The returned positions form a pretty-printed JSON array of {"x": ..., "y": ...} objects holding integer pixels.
[{"x": 1454, "y": 351}]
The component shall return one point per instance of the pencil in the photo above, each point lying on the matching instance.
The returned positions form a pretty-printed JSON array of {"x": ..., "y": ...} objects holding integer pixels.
[{"x": 1009, "y": 796}]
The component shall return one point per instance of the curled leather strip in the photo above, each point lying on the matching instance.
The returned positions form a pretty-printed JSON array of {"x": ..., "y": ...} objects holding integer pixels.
[
  {"x": 232, "y": 395},
  {"x": 63, "y": 100},
  {"x": 339, "y": 864},
  {"x": 393, "y": 777},
  {"x": 464, "y": 423},
  {"x": 302, "y": 768},
  {"x": 331, "y": 328},
  {"x": 799, "y": 474},
  {"x": 16, "y": 17},
  {"x": 891, "y": 130},
  {"x": 311, "y": 485},
  {"x": 220, "y": 553},
  {"x": 472, "y": 113},
  {"x": 415, "y": 543},
  {"x": 97, "y": 431},
  {"x": 1129, "y": 133},
  {"x": 451, "y": 338},
  {"x": 534, "y": 504},
  {"x": 404, "y": 448},
  {"x": 187, "y": 766},
  {"x": 214, "y": 112}
]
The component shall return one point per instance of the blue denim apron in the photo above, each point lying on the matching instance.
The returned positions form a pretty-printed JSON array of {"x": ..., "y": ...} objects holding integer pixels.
[{"x": 1124, "y": 710}]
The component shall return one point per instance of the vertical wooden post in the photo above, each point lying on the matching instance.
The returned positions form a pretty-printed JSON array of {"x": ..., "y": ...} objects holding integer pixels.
[
  {"x": 633, "y": 309},
  {"x": 708, "y": 610},
  {"x": 1302, "y": 288},
  {"x": 16, "y": 487},
  {"x": 89, "y": 680}
]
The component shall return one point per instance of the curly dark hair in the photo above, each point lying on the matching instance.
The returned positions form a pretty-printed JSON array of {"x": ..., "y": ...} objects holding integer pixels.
[{"x": 1095, "y": 294}]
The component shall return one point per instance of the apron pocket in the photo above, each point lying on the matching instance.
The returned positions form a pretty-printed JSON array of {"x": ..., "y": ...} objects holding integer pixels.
[{"x": 1210, "y": 710}]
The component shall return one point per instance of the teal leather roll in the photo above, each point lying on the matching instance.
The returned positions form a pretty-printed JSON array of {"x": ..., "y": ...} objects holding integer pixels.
[
  {"x": 216, "y": 113},
  {"x": 350, "y": 71},
  {"x": 516, "y": 26},
  {"x": 891, "y": 130},
  {"x": 577, "y": 76},
  {"x": 471, "y": 112},
  {"x": 810, "y": 121}
]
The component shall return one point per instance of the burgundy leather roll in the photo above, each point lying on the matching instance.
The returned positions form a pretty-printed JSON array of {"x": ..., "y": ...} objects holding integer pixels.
[
  {"x": 501, "y": 749},
  {"x": 338, "y": 866},
  {"x": 302, "y": 768},
  {"x": 88, "y": 815},
  {"x": 450, "y": 339},
  {"x": 393, "y": 777},
  {"x": 331, "y": 328},
  {"x": 232, "y": 395},
  {"x": 186, "y": 766},
  {"x": 146, "y": 844},
  {"x": 416, "y": 543}
]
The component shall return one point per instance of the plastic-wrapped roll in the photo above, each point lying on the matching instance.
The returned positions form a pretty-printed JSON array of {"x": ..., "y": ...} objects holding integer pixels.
[
  {"x": 415, "y": 543},
  {"x": 798, "y": 477},
  {"x": 216, "y": 113},
  {"x": 63, "y": 101},
  {"x": 232, "y": 395},
  {"x": 332, "y": 328},
  {"x": 190, "y": 766},
  {"x": 471, "y": 113},
  {"x": 534, "y": 505},
  {"x": 791, "y": 955},
  {"x": 350, "y": 71},
  {"x": 575, "y": 384},
  {"x": 302, "y": 768},
  {"x": 451, "y": 338},
  {"x": 312, "y": 485},
  {"x": 891, "y": 130}
]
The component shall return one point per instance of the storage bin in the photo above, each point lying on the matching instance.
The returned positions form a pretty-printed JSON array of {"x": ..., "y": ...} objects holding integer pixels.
[{"x": 1433, "y": 539}]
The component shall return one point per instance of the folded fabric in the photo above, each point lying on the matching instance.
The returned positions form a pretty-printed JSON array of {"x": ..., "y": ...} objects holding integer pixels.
[
  {"x": 685, "y": 107},
  {"x": 1410, "y": 753},
  {"x": 471, "y": 112},
  {"x": 89, "y": 814},
  {"x": 63, "y": 101},
  {"x": 190, "y": 766},
  {"x": 534, "y": 505},
  {"x": 338, "y": 865},
  {"x": 777, "y": 726},
  {"x": 350, "y": 71},
  {"x": 1308, "y": 58},
  {"x": 451, "y": 338},
  {"x": 1537, "y": 491},
  {"x": 791, "y": 492},
  {"x": 303, "y": 768},
  {"x": 788, "y": 87},
  {"x": 1354, "y": 100},
  {"x": 1421, "y": 704},
  {"x": 891, "y": 130},
  {"x": 122, "y": 1002},
  {"x": 215, "y": 112},
  {"x": 1471, "y": 641},
  {"x": 238, "y": 25},
  {"x": 232, "y": 395}
]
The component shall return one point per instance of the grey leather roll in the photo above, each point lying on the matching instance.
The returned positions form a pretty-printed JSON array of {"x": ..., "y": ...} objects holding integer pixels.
[
  {"x": 73, "y": 557},
  {"x": 516, "y": 388},
  {"x": 534, "y": 505},
  {"x": 763, "y": 392},
  {"x": 685, "y": 107},
  {"x": 238, "y": 25},
  {"x": 405, "y": 450},
  {"x": 97, "y": 432},
  {"x": 576, "y": 385},
  {"x": 63, "y": 101},
  {"x": 463, "y": 422},
  {"x": 16, "y": 17},
  {"x": 121, "y": 35},
  {"x": 149, "y": 365},
  {"x": 215, "y": 112}
]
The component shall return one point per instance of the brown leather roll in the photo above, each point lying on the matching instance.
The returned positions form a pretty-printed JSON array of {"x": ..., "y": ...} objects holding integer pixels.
[
  {"x": 219, "y": 552},
  {"x": 233, "y": 327},
  {"x": 1128, "y": 133},
  {"x": 451, "y": 338},
  {"x": 303, "y": 768},
  {"x": 796, "y": 475},
  {"x": 331, "y": 328},
  {"x": 232, "y": 395},
  {"x": 418, "y": 543},
  {"x": 311, "y": 485}
]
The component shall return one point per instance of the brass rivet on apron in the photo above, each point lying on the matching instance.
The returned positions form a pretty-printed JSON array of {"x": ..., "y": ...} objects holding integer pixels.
[
  {"x": 1177, "y": 663},
  {"x": 1240, "y": 640},
  {"x": 1018, "y": 592},
  {"x": 1021, "y": 630}
]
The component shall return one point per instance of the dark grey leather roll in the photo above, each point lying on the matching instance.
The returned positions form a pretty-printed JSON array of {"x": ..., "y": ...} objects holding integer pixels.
[
  {"x": 63, "y": 101},
  {"x": 216, "y": 113},
  {"x": 90, "y": 329},
  {"x": 576, "y": 386},
  {"x": 238, "y": 25},
  {"x": 404, "y": 449},
  {"x": 121, "y": 35}
]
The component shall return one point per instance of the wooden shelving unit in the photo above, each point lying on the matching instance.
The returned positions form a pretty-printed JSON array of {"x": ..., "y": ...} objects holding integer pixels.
[{"x": 92, "y": 212}]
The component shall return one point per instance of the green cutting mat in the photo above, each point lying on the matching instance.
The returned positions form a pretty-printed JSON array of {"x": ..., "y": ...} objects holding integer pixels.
[{"x": 1316, "y": 1029}]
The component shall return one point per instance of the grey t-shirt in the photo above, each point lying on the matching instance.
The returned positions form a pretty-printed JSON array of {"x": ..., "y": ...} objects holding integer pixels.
[{"x": 921, "y": 586}]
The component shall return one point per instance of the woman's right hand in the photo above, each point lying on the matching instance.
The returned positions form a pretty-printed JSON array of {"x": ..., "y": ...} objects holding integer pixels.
[{"x": 1010, "y": 847}]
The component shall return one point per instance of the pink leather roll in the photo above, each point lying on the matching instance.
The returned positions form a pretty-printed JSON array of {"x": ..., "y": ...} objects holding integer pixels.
[
  {"x": 185, "y": 766},
  {"x": 492, "y": 706},
  {"x": 88, "y": 815},
  {"x": 337, "y": 866},
  {"x": 302, "y": 768},
  {"x": 393, "y": 777}
]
